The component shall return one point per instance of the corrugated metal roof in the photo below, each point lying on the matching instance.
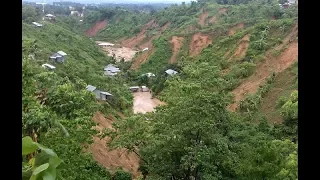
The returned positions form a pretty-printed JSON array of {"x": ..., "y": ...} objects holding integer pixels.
[
  {"x": 170, "y": 71},
  {"x": 108, "y": 73},
  {"x": 62, "y": 53},
  {"x": 48, "y": 65},
  {"x": 134, "y": 87},
  {"x": 55, "y": 55},
  {"x": 106, "y": 44},
  {"x": 90, "y": 88},
  {"x": 49, "y": 15},
  {"x": 37, "y": 24},
  {"x": 106, "y": 93}
]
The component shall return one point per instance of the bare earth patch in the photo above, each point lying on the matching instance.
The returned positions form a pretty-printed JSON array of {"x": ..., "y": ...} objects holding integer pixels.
[
  {"x": 132, "y": 42},
  {"x": 141, "y": 58},
  {"x": 198, "y": 43},
  {"x": 176, "y": 45},
  {"x": 214, "y": 18},
  {"x": 242, "y": 48},
  {"x": 96, "y": 28},
  {"x": 234, "y": 29},
  {"x": 143, "y": 102},
  {"x": 202, "y": 18},
  {"x": 271, "y": 64},
  {"x": 113, "y": 159},
  {"x": 119, "y": 52}
]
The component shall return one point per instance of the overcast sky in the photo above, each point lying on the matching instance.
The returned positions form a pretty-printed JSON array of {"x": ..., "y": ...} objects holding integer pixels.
[{"x": 115, "y": 1}]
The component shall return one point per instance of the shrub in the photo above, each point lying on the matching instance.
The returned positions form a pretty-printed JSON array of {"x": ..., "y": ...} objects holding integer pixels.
[{"x": 122, "y": 175}]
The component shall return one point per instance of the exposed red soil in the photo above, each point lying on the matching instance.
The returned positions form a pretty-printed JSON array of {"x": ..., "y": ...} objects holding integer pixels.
[
  {"x": 96, "y": 28},
  {"x": 263, "y": 69},
  {"x": 234, "y": 29},
  {"x": 176, "y": 45},
  {"x": 198, "y": 43},
  {"x": 114, "y": 158},
  {"x": 133, "y": 41},
  {"x": 148, "y": 44},
  {"x": 242, "y": 48},
  {"x": 141, "y": 58},
  {"x": 202, "y": 18},
  {"x": 214, "y": 18},
  {"x": 222, "y": 10},
  {"x": 190, "y": 28}
]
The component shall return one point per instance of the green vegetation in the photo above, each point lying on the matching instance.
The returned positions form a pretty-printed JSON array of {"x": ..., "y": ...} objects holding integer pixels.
[{"x": 193, "y": 136}]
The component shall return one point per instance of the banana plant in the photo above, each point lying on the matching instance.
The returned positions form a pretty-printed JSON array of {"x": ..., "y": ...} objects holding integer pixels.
[{"x": 43, "y": 166}]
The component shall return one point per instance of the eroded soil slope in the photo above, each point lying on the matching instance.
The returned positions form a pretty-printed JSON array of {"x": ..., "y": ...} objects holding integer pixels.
[
  {"x": 96, "y": 28},
  {"x": 176, "y": 45},
  {"x": 141, "y": 58},
  {"x": 198, "y": 43},
  {"x": 269, "y": 65},
  {"x": 242, "y": 48},
  {"x": 143, "y": 102},
  {"x": 132, "y": 42},
  {"x": 234, "y": 29},
  {"x": 202, "y": 18},
  {"x": 115, "y": 158}
]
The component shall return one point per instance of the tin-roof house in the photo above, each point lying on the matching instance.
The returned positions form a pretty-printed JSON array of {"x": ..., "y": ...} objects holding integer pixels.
[
  {"x": 48, "y": 66},
  {"x": 59, "y": 56},
  {"x": 50, "y": 16},
  {"x": 171, "y": 72},
  {"x": 111, "y": 70},
  {"x": 37, "y": 24},
  {"x": 148, "y": 74},
  {"x": 100, "y": 95},
  {"x": 134, "y": 88}
]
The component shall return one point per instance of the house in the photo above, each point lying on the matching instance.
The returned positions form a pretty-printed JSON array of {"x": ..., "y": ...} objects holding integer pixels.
[
  {"x": 148, "y": 74},
  {"x": 81, "y": 20},
  {"x": 106, "y": 44},
  {"x": 48, "y": 66},
  {"x": 144, "y": 88},
  {"x": 59, "y": 56},
  {"x": 50, "y": 16},
  {"x": 145, "y": 49},
  {"x": 291, "y": 2},
  {"x": 100, "y": 95},
  {"x": 76, "y": 13},
  {"x": 171, "y": 72},
  {"x": 111, "y": 70},
  {"x": 134, "y": 88},
  {"x": 37, "y": 24}
]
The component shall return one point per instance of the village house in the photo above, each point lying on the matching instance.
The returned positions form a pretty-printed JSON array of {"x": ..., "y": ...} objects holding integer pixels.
[
  {"x": 100, "y": 95},
  {"x": 37, "y": 24},
  {"x": 149, "y": 74},
  {"x": 59, "y": 56},
  {"x": 111, "y": 70},
  {"x": 106, "y": 44},
  {"x": 145, "y": 49},
  {"x": 171, "y": 72},
  {"x": 75, "y": 13},
  {"x": 144, "y": 89},
  {"x": 48, "y": 66},
  {"x": 134, "y": 88},
  {"x": 50, "y": 16}
]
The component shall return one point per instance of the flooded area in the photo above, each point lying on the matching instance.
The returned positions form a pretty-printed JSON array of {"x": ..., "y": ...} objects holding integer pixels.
[
  {"x": 119, "y": 51},
  {"x": 142, "y": 102}
]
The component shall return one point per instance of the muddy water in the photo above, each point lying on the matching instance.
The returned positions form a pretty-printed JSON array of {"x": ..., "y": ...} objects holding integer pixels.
[{"x": 142, "y": 102}]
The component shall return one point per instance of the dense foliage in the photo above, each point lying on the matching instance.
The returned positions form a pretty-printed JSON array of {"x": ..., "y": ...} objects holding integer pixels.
[{"x": 193, "y": 136}]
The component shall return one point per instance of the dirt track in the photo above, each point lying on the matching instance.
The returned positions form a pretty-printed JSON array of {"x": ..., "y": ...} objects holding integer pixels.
[
  {"x": 96, "y": 28},
  {"x": 269, "y": 65},
  {"x": 142, "y": 102},
  {"x": 115, "y": 158}
]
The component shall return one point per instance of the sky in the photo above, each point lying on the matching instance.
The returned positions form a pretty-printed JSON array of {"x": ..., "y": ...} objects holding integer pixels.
[{"x": 115, "y": 1}]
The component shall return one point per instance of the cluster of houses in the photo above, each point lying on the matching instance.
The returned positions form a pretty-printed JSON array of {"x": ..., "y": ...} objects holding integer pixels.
[
  {"x": 288, "y": 3},
  {"x": 138, "y": 88},
  {"x": 100, "y": 95}
]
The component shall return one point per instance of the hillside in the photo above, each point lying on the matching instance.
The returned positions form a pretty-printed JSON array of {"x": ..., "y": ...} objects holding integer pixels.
[{"x": 229, "y": 113}]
